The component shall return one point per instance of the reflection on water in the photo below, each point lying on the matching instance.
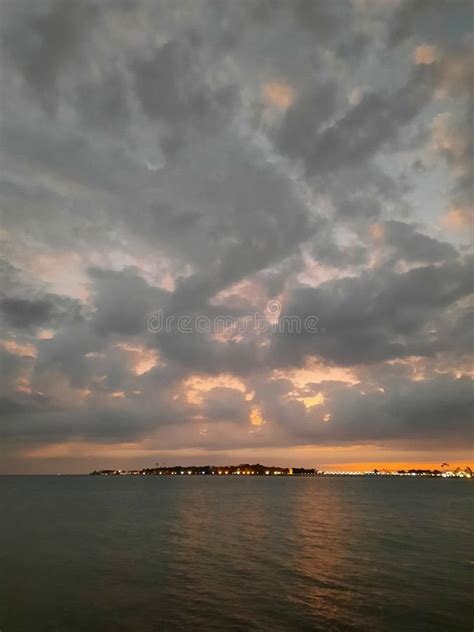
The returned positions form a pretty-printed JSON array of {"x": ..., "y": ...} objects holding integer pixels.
[{"x": 151, "y": 554}]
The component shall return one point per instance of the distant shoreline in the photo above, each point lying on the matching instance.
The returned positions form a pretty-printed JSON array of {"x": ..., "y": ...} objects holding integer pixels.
[{"x": 272, "y": 470}]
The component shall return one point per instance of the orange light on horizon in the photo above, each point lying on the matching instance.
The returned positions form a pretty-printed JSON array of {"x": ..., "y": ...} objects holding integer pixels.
[{"x": 394, "y": 466}]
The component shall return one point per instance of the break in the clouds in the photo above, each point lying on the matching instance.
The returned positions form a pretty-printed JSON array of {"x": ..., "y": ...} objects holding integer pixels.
[{"x": 211, "y": 159}]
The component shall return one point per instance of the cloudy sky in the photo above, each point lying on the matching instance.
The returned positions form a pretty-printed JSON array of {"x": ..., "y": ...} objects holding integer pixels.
[{"x": 214, "y": 159}]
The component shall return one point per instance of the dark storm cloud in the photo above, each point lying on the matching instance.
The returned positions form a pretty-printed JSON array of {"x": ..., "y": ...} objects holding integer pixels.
[
  {"x": 10, "y": 407},
  {"x": 357, "y": 135},
  {"x": 377, "y": 316},
  {"x": 11, "y": 278},
  {"x": 70, "y": 155},
  {"x": 324, "y": 21},
  {"x": 227, "y": 211},
  {"x": 456, "y": 331},
  {"x": 436, "y": 409},
  {"x": 411, "y": 245},
  {"x": 103, "y": 104},
  {"x": 197, "y": 352},
  {"x": 42, "y": 39},
  {"x": 46, "y": 311},
  {"x": 225, "y": 404},
  {"x": 25, "y": 307},
  {"x": 67, "y": 353},
  {"x": 60, "y": 425},
  {"x": 170, "y": 87},
  {"x": 432, "y": 410},
  {"x": 123, "y": 301},
  {"x": 303, "y": 121},
  {"x": 429, "y": 19}
]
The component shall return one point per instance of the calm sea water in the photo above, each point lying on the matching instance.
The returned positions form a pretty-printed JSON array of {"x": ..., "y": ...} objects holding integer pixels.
[{"x": 86, "y": 554}]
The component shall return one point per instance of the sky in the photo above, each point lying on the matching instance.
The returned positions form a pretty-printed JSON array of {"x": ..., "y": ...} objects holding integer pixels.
[{"x": 212, "y": 161}]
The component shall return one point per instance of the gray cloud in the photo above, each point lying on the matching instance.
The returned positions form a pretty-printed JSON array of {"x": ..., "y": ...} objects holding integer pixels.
[
  {"x": 431, "y": 411},
  {"x": 43, "y": 40},
  {"x": 377, "y": 316},
  {"x": 411, "y": 245},
  {"x": 358, "y": 134},
  {"x": 425, "y": 19},
  {"x": 24, "y": 307},
  {"x": 171, "y": 88},
  {"x": 203, "y": 158}
]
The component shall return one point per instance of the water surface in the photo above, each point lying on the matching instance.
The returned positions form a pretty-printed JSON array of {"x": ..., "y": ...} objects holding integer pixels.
[{"x": 87, "y": 554}]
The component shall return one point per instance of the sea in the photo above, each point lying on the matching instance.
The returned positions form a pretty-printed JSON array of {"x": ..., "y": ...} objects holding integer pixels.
[{"x": 281, "y": 554}]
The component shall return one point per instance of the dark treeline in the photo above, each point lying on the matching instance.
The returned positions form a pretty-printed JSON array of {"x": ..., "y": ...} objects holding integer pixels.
[{"x": 244, "y": 469}]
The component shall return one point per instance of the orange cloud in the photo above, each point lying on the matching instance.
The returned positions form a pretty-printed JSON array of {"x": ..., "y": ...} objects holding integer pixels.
[
  {"x": 196, "y": 386},
  {"x": 15, "y": 348},
  {"x": 256, "y": 418},
  {"x": 315, "y": 372},
  {"x": 425, "y": 54},
  {"x": 451, "y": 143},
  {"x": 377, "y": 233},
  {"x": 458, "y": 219},
  {"x": 315, "y": 400},
  {"x": 117, "y": 394},
  {"x": 278, "y": 94},
  {"x": 45, "y": 334},
  {"x": 144, "y": 358}
]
